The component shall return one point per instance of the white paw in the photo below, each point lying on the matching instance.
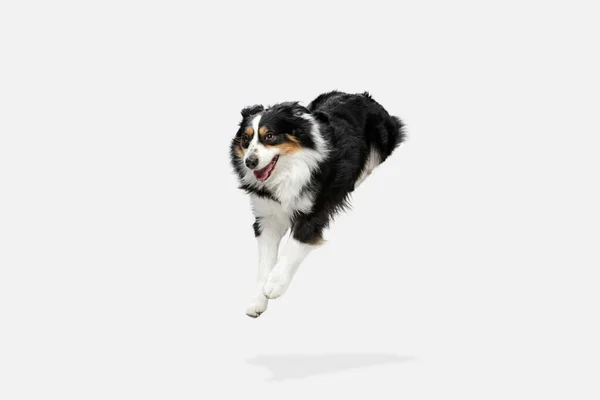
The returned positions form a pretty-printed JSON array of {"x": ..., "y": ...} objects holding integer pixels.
[
  {"x": 275, "y": 286},
  {"x": 257, "y": 306}
]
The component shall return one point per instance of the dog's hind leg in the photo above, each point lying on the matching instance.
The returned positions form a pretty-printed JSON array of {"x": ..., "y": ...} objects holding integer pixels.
[{"x": 372, "y": 161}]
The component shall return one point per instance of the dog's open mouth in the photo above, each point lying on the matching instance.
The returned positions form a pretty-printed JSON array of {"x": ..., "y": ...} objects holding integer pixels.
[{"x": 264, "y": 173}]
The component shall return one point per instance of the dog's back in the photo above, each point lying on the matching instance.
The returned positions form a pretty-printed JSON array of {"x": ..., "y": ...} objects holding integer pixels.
[{"x": 362, "y": 132}]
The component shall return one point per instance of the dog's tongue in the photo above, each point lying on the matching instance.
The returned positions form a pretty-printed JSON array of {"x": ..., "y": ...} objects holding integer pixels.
[{"x": 262, "y": 174}]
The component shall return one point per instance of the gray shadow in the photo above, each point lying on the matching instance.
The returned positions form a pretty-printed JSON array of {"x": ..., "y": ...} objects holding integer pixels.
[{"x": 299, "y": 366}]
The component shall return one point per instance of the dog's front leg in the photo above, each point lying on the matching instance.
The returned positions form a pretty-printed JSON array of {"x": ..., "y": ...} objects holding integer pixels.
[
  {"x": 306, "y": 236},
  {"x": 268, "y": 231}
]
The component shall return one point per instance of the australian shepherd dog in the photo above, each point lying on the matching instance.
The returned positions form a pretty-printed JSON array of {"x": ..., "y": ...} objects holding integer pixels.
[{"x": 299, "y": 165}]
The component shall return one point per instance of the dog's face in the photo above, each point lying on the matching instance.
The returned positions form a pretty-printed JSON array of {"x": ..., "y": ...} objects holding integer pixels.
[{"x": 266, "y": 136}]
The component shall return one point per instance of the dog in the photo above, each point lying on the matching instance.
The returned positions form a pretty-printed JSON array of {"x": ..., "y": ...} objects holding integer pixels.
[{"x": 299, "y": 166}]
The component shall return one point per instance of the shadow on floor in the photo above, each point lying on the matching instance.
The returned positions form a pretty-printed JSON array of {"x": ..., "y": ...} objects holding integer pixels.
[{"x": 299, "y": 366}]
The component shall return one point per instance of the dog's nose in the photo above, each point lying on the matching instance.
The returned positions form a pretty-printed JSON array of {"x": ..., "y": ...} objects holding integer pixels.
[{"x": 251, "y": 162}]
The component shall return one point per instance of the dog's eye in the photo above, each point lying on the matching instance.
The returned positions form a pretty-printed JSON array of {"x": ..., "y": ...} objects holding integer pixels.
[
  {"x": 245, "y": 140},
  {"x": 269, "y": 136}
]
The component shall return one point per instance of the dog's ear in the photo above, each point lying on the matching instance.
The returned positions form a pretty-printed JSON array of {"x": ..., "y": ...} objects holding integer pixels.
[
  {"x": 297, "y": 109},
  {"x": 321, "y": 116},
  {"x": 251, "y": 110}
]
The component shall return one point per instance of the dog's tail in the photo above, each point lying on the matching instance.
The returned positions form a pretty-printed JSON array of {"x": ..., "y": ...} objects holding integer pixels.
[
  {"x": 396, "y": 131},
  {"x": 385, "y": 132}
]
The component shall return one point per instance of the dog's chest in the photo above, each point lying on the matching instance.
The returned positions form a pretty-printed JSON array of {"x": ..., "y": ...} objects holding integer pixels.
[
  {"x": 296, "y": 203},
  {"x": 285, "y": 207},
  {"x": 289, "y": 190}
]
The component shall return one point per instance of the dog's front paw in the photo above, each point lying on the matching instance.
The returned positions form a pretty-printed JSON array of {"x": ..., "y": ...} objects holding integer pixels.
[
  {"x": 257, "y": 306},
  {"x": 275, "y": 286}
]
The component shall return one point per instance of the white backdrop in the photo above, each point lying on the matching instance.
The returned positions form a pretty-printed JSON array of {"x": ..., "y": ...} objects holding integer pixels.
[{"x": 468, "y": 267}]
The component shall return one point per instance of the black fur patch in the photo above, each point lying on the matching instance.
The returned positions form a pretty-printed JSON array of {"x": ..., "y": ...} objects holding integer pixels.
[
  {"x": 256, "y": 227},
  {"x": 251, "y": 110}
]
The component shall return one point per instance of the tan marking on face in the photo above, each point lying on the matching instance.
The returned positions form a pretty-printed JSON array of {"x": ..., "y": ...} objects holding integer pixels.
[
  {"x": 286, "y": 148},
  {"x": 249, "y": 131},
  {"x": 239, "y": 150},
  {"x": 262, "y": 131},
  {"x": 293, "y": 139}
]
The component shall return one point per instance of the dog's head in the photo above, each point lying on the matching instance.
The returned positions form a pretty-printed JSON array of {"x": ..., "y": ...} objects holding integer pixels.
[{"x": 267, "y": 135}]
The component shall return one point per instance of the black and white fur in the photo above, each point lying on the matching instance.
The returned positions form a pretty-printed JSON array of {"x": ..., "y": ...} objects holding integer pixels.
[{"x": 320, "y": 154}]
